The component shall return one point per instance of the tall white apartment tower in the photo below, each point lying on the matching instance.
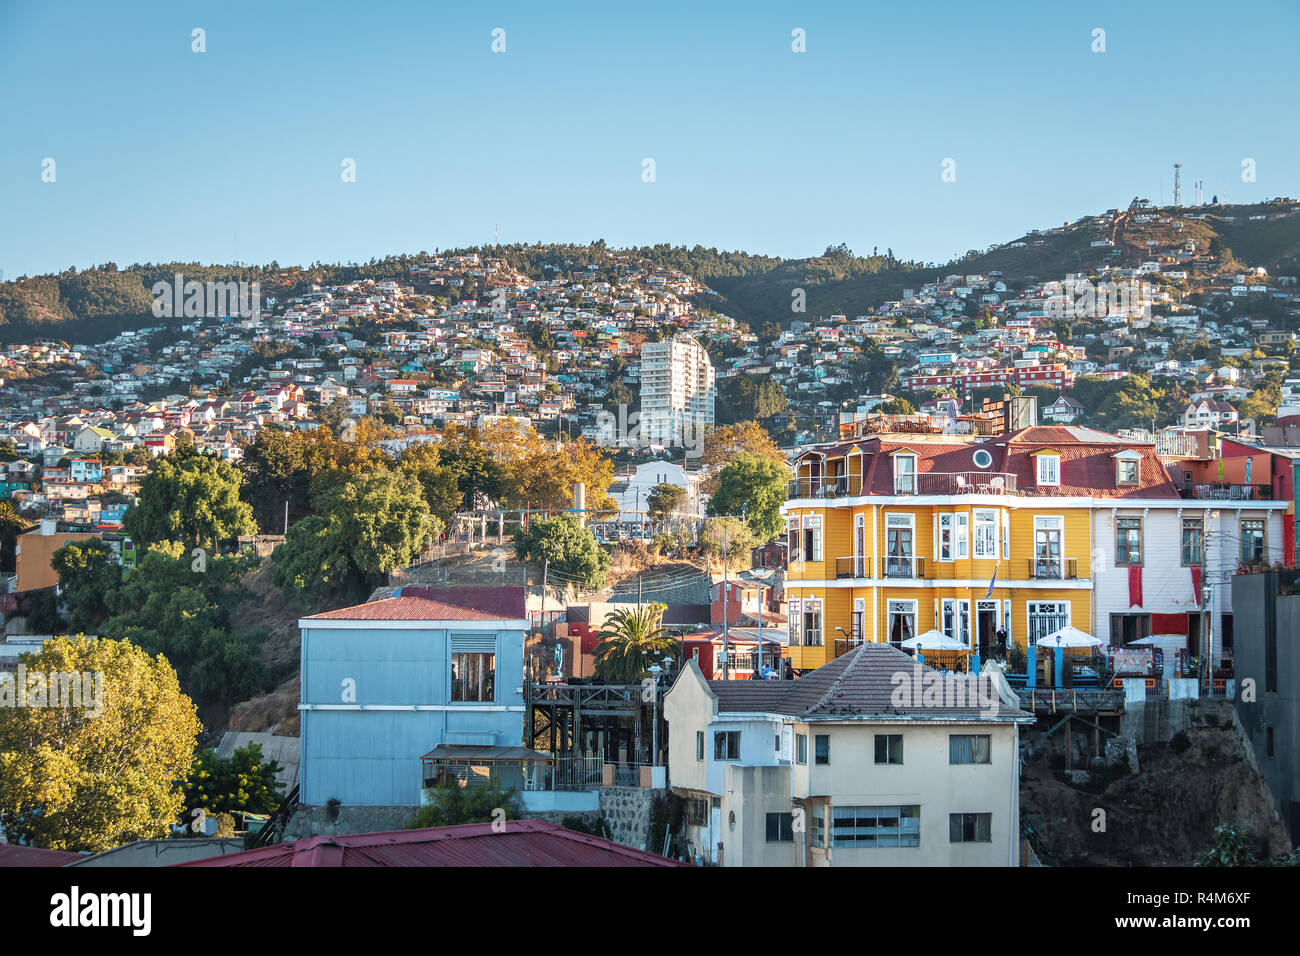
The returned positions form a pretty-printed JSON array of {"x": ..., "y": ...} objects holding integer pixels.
[{"x": 677, "y": 391}]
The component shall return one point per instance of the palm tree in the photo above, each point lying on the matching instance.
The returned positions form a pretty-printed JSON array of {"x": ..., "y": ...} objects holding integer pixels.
[
  {"x": 12, "y": 524},
  {"x": 631, "y": 640}
]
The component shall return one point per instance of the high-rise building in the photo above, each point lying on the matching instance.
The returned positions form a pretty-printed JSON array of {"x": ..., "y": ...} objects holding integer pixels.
[{"x": 677, "y": 390}]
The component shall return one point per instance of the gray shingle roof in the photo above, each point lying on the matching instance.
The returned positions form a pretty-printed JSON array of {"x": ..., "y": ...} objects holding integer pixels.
[{"x": 861, "y": 685}]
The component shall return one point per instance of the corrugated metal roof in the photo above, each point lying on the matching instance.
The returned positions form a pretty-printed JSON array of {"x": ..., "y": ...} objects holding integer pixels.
[
  {"x": 520, "y": 843},
  {"x": 859, "y": 684},
  {"x": 11, "y": 855},
  {"x": 416, "y": 603}
]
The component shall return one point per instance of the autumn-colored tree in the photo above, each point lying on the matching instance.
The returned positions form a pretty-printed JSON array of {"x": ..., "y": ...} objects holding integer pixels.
[
  {"x": 722, "y": 445},
  {"x": 74, "y": 779}
]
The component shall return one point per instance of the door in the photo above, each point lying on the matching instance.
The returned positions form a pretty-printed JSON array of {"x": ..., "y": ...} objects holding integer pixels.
[{"x": 986, "y": 626}]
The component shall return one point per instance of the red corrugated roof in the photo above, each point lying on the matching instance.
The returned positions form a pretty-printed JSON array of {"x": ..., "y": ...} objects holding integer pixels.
[
  {"x": 520, "y": 843},
  {"x": 437, "y": 604},
  {"x": 11, "y": 855}
]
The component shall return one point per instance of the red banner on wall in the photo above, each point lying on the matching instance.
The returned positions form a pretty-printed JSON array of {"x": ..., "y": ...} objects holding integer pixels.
[{"x": 1135, "y": 586}]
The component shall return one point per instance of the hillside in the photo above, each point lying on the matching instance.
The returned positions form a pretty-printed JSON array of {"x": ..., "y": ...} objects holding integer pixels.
[{"x": 754, "y": 288}]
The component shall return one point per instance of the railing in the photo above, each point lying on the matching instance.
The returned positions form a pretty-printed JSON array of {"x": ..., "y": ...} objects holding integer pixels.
[
  {"x": 826, "y": 486},
  {"x": 898, "y": 566},
  {"x": 1218, "y": 491},
  {"x": 843, "y": 646},
  {"x": 965, "y": 483},
  {"x": 852, "y": 567},
  {"x": 1053, "y": 569},
  {"x": 581, "y": 772}
]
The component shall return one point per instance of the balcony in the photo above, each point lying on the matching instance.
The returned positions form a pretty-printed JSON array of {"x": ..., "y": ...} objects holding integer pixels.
[
  {"x": 828, "y": 486},
  {"x": 964, "y": 483},
  {"x": 852, "y": 567},
  {"x": 902, "y": 566},
  {"x": 1219, "y": 491},
  {"x": 1052, "y": 569}
]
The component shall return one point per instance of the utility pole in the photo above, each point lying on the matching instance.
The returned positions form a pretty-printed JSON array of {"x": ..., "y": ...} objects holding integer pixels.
[
  {"x": 726, "y": 652},
  {"x": 286, "y": 516}
]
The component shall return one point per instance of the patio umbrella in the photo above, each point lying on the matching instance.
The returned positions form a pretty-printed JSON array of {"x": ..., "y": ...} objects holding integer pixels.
[
  {"x": 933, "y": 641},
  {"x": 1070, "y": 637}
]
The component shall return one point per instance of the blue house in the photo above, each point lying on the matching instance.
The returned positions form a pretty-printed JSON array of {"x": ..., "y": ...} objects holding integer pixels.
[{"x": 384, "y": 683}]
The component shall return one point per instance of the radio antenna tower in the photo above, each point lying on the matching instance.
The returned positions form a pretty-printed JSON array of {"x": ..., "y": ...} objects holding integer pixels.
[{"x": 1178, "y": 192}]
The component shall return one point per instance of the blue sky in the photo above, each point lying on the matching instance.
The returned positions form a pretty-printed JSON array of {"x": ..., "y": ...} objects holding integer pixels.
[{"x": 235, "y": 154}]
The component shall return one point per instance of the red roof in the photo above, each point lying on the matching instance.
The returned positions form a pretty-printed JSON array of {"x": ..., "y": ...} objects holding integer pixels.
[
  {"x": 519, "y": 843},
  {"x": 11, "y": 855},
  {"x": 436, "y": 604}
]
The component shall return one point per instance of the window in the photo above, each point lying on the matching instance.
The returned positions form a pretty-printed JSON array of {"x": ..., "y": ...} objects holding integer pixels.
[
  {"x": 1044, "y": 617},
  {"x": 819, "y": 826},
  {"x": 982, "y": 458},
  {"x": 1127, "y": 628},
  {"x": 963, "y": 535},
  {"x": 801, "y": 748},
  {"x": 812, "y": 624},
  {"x": 1126, "y": 472},
  {"x": 812, "y": 538},
  {"x": 945, "y": 538},
  {"x": 699, "y": 745},
  {"x": 1193, "y": 542},
  {"x": 898, "y": 545},
  {"x": 970, "y": 827},
  {"x": 473, "y": 677},
  {"x": 889, "y": 748},
  {"x": 1252, "y": 541},
  {"x": 822, "y": 749},
  {"x": 780, "y": 828},
  {"x": 726, "y": 745},
  {"x": 970, "y": 748},
  {"x": 904, "y": 474},
  {"x": 859, "y": 619},
  {"x": 1047, "y": 546},
  {"x": 902, "y": 621},
  {"x": 955, "y": 620},
  {"x": 795, "y": 539},
  {"x": 986, "y": 533},
  {"x": 875, "y": 827},
  {"x": 1049, "y": 469},
  {"x": 1270, "y": 749},
  {"x": 1128, "y": 541},
  {"x": 776, "y": 742}
]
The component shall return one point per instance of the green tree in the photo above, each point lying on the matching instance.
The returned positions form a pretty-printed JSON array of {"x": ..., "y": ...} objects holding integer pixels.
[
  {"x": 365, "y": 527},
  {"x": 244, "y": 781},
  {"x": 190, "y": 498},
  {"x": 12, "y": 524},
  {"x": 569, "y": 547},
  {"x": 451, "y": 804},
  {"x": 665, "y": 500},
  {"x": 437, "y": 482},
  {"x": 70, "y": 780},
  {"x": 755, "y": 486},
  {"x": 630, "y": 641},
  {"x": 729, "y": 537},
  {"x": 88, "y": 573}
]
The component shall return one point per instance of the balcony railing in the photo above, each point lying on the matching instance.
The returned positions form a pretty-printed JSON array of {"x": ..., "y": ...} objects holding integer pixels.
[
  {"x": 1218, "y": 491},
  {"x": 828, "y": 486},
  {"x": 964, "y": 483},
  {"x": 1052, "y": 569},
  {"x": 899, "y": 566},
  {"x": 852, "y": 567}
]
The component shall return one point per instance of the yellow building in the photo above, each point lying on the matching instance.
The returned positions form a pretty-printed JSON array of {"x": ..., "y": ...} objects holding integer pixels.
[{"x": 988, "y": 540}]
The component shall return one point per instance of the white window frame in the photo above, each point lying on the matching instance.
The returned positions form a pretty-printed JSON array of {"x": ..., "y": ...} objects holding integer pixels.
[
  {"x": 813, "y": 523},
  {"x": 1050, "y": 523},
  {"x": 899, "y": 488},
  {"x": 901, "y": 607},
  {"x": 1032, "y": 606},
  {"x": 1006, "y": 535},
  {"x": 960, "y": 614},
  {"x": 817, "y": 606},
  {"x": 986, "y": 518},
  {"x": 962, "y": 524},
  {"x": 1043, "y": 478},
  {"x": 947, "y": 534}
]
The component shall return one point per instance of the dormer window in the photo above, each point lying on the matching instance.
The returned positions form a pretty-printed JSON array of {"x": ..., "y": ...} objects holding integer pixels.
[
  {"x": 1049, "y": 469},
  {"x": 905, "y": 474},
  {"x": 1127, "y": 468}
]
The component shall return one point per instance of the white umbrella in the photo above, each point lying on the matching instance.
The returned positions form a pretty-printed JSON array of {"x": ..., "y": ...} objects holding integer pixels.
[
  {"x": 1070, "y": 637},
  {"x": 933, "y": 641}
]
